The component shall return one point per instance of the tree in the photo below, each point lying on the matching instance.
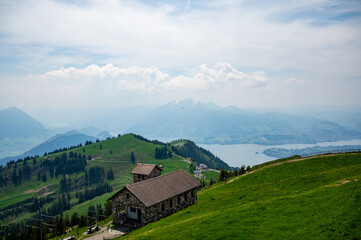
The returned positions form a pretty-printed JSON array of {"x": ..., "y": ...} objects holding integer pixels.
[
  {"x": 59, "y": 226},
  {"x": 20, "y": 176},
  {"x": 223, "y": 175},
  {"x": 203, "y": 183},
  {"x": 110, "y": 175},
  {"x": 43, "y": 177},
  {"x": 248, "y": 169},
  {"x": 211, "y": 182},
  {"x": 82, "y": 221},
  {"x": 74, "y": 219},
  {"x": 108, "y": 208},
  {"x": 242, "y": 170},
  {"x": 15, "y": 178},
  {"x": 132, "y": 158}
]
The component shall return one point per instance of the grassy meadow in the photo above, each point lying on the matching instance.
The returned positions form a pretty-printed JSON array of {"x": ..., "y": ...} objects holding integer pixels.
[{"x": 316, "y": 198}]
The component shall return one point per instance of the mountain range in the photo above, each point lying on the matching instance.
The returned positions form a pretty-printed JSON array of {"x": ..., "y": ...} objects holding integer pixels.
[
  {"x": 211, "y": 124},
  {"x": 22, "y": 136},
  {"x": 203, "y": 123}
]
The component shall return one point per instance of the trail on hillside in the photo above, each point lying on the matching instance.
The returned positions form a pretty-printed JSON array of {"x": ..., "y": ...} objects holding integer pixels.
[{"x": 104, "y": 233}]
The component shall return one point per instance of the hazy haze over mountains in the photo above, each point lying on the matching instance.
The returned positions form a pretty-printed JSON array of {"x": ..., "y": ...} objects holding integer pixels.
[{"x": 209, "y": 123}]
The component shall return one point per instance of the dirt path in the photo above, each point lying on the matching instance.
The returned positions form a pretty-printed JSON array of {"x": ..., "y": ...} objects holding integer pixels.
[{"x": 104, "y": 233}]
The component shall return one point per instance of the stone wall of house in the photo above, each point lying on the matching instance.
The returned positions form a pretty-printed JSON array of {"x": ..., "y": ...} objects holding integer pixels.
[
  {"x": 140, "y": 177},
  {"x": 155, "y": 212},
  {"x": 121, "y": 201},
  {"x": 155, "y": 172},
  {"x": 172, "y": 205}
]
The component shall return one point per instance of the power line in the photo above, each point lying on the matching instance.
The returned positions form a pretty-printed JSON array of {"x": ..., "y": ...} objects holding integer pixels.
[{"x": 41, "y": 222}]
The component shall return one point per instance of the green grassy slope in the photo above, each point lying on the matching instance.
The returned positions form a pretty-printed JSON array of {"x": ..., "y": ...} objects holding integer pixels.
[{"x": 316, "y": 198}]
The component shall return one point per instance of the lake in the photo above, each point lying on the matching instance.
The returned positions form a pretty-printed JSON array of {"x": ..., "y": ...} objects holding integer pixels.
[{"x": 237, "y": 155}]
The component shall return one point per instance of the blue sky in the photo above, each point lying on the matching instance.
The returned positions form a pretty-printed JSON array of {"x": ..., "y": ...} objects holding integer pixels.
[{"x": 243, "y": 53}]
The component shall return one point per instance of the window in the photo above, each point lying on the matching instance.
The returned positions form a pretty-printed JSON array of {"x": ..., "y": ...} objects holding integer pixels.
[
  {"x": 132, "y": 209},
  {"x": 163, "y": 207},
  {"x": 128, "y": 196},
  {"x": 143, "y": 177},
  {"x": 171, "y": 203},
  {"x": 185, "y": 197},
  {"x": 192, "y": 194},
  {"x": 179, "y": 200}
]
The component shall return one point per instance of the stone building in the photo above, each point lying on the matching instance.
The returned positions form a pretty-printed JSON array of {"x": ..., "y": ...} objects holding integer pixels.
[
  {"x": 149, "y": 200},
  {"x": 145, "y": 171}
]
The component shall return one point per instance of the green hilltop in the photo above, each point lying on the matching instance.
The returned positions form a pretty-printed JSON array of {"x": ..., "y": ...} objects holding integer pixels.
[{"x": 316, "y": 198}]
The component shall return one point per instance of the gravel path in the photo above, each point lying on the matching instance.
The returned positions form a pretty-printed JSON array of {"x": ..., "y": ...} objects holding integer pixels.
[{"x": 104, "y": 233}]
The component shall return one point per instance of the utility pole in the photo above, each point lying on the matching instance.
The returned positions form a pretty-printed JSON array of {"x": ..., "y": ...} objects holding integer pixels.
[
  {"x": 41, "y": 223},
  {"x": 97, "y": 214}
]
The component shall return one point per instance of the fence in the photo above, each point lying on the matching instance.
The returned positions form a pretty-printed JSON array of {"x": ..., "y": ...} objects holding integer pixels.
[{"x": 330, "y": 152}]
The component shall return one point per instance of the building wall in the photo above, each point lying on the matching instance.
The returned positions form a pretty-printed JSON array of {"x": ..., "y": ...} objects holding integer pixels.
[
  {"x": 124, "y": 201},
  {"x": 155, "y": 212},
  {"x": 139, "y": 177},
  {"x": 155, "y": 172}
]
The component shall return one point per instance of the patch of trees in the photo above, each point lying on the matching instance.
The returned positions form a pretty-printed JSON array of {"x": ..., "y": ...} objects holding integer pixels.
[
  {"x": 200, "y": 155},
  {"x": 94, "y": 175},
  {"x": 60, "y": 205},
  {"x": 91, "y": 193},
  {"x": 63, "y": 164},
  {"x": 65, "y": 184},
  {"x": 155, "y": 142},
  {"x": 28, "y": 205},
  {"x": 224, "y": 174},
  {"x": 4, "y": 180},
  {"x": 19, "y": 176},
  {"x": 64, "y": 149},
  {"x": 61, "y": 223},
  {"x": 110, "y": 175},
  {"x": 162, "y": 153},
  {"x": 13, "y": 162}
]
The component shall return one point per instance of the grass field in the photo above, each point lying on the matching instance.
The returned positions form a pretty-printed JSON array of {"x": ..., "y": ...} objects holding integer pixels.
[{"x": 317, "y": 198}]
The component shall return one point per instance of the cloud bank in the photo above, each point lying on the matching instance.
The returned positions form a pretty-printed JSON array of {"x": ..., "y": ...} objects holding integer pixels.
[{"x": 150, "y": 79}]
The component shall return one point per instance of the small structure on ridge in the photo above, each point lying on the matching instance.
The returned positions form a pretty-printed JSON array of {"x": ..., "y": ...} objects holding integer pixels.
[{"x": 144, "y": 171}]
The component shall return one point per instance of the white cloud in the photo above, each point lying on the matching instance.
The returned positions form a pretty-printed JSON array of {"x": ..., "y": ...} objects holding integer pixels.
[
  {"x": 297, "y": 81},
  {"x": 96, "y": 84},
  {"x": 151, "y": 79},
  {"x": 284, "y": 39},
  {"x": 239, "y": 32}
]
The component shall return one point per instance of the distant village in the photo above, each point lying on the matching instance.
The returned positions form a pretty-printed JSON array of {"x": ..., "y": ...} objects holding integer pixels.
[{"x": 198, "y": 172}]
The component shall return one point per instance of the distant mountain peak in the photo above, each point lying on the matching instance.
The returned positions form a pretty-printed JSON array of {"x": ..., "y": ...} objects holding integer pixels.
[
  {"x": 16, "y": 123},
  {"x": 186, "y": 101}
]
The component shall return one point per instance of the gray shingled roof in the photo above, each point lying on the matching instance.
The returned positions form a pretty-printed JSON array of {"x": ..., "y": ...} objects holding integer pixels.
[
  {"x": 144, "y": 169},
  {"x": 158, "y": 189}
]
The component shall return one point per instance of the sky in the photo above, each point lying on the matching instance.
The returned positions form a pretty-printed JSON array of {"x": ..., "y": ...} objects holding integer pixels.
[{"x": 59, "y": 54}]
